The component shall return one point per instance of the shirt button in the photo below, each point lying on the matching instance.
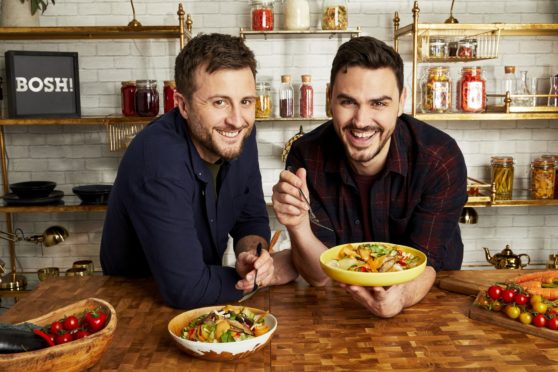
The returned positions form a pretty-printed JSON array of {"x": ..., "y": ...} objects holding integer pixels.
[
  {"x": 211, "y": 220},
  {"x": 203, "y": 192},
  {"x": 357, "y": 222}
]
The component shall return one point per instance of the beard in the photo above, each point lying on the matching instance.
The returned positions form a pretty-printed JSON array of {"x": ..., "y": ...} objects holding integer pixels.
[
  {"x": 366, "y": 154},
  {"x": 209, "y": 140}
]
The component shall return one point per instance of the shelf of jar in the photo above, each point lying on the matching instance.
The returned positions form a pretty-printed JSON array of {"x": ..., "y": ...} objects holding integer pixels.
[
  {"x": 84, "y": 120},
  {"x": 70, "y": 203},
  {"x": 465, "y": 116},
  {"x": 454, "y": 59},
  {"x": 294, "y": 120},
  {"x": 351, "y": 32},
  {"x": 472, "y": 29},
  {"x": 89, "y": 32}
]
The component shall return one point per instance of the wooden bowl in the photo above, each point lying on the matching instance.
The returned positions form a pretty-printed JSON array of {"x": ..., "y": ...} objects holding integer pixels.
[{"x": 77, "y": 355}]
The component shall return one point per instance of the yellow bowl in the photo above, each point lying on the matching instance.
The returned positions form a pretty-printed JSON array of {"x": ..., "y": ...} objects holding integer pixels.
[
  {"x": 372, "y": 279},
  {"x": 219, "y": 351}
]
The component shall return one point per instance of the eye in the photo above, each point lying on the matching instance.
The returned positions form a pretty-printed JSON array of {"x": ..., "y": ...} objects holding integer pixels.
[
  {"x": 378, "y": 104},
  {"x": 219, "y": 103},
  {"x": 247, "y": 101},
  {"x": 346, "y": 102}
]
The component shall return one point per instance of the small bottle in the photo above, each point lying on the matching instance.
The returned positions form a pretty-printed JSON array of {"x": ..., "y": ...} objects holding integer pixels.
[
  {"x": 263, "y": 99},
  {"x": 296, "y": 15},
  {"x": 510, "y": 82},
  {"x": 168, "y": 93},
  {"x": 147, "y": 98},
  {"x": 262, "y": 15},
  {"x": 502, "y": 177},
  {"x": 542, "y": 178},
  {"x": 286, "y": 97},
  {"x": 335, "y": 15},
  {"x": 306, "y": 97},
  {"x": 128, "y": 97}
]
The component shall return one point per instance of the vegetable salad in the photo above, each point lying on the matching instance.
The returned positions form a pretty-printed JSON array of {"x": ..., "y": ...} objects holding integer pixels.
[{"x": 373, "y": 257}]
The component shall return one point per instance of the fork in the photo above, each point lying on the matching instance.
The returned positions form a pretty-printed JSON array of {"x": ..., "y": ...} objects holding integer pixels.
[
  {"x": 256, "y": 287},
  {"x": 311, "y": 215}
]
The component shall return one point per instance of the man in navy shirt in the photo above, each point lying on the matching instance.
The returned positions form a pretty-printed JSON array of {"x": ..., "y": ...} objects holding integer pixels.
[
  {"x": 190, "y": 180},
  {"x": 374, "y": 174}
]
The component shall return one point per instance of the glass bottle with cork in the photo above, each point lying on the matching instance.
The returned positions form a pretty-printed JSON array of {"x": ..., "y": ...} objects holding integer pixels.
[
  {"x": 510, "y": 82},
  {"x": 306, "y": 97},
  {"x": 286, "y": 97},
  {"x": 263, "y": 98},
  {"x": 502, "y": 170}
]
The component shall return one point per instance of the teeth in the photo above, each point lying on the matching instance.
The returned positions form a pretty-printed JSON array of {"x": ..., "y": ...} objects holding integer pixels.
[
  {"x": 363, "y": 134},
  {"x": 229, "y": 134}
]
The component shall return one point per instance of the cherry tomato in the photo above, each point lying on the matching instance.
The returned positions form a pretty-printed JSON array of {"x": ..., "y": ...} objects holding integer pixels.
[
  {"x": 81, "y": 334},
  {"x": 539, "y": 320},
  {"x": 540, "y": 307},
  {"x": 95, "y": 320},
  {"x": 496, "y": 306},
  {"x": 55, "y": 327},
  {"x": 508, "y": 295},
  {"x": 534, "y": 299},
  {"x": 525, "y": 318},
  {"x": 520, "y": 298},
  {"x": 63, "y": 338},
  {"x": 70, "y": 323},
  {"x": 552, "y": 323},
  {"x": 494, "y": 292},
  {"x": 512, "y": 311}
]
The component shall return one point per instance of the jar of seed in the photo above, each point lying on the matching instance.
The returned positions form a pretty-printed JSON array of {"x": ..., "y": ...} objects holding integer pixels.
[{"x": 502, "y": 177}]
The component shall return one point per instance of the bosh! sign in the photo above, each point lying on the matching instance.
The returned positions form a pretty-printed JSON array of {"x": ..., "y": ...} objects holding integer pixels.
[{"x": 42, "y": 84}]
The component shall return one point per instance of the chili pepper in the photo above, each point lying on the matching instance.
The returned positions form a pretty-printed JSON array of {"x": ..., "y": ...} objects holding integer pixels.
[{"x": 44, "y": 336}]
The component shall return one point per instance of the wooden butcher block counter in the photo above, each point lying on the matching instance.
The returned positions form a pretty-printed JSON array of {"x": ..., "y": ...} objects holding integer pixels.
[{"x": 319, "y": 329}]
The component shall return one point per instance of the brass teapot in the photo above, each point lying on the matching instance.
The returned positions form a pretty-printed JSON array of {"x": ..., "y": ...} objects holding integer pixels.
[{"x": 506, "y": 259}]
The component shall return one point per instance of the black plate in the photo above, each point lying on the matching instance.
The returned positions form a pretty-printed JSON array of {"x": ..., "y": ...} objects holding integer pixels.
[
  {"x": 52, "y": 198},
  {"x": 33, "y": 189},
  {"x": 93, "y": 194}
]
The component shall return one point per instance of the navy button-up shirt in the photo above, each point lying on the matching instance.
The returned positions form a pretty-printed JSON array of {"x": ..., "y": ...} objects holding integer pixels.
[
  {"x": 416, "y": 200},
  {"x": 163, "y": 218}
]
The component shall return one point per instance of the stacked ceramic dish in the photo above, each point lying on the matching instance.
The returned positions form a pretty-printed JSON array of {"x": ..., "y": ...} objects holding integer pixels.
[
  {"x": 33, "y": 193},
  {"x": 93, "y": 194}
]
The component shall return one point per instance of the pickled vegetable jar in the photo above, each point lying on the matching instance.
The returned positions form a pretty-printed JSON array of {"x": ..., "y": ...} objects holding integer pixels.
[
  {"x": 542, "y": 178},
  {"x": 262, "y": 15},
  {"x": 436, "y": 90},
  {"x": 502, "y": 177},
  {"x": 471, "y": 90},
  {"x": 263, "y": 99},
  {"x": 335, "y": 15}
]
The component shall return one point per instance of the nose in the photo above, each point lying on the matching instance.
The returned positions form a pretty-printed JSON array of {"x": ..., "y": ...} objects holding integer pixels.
[
  {"x": 361, "y": 117},
  {"x": 234, "y": 117}
]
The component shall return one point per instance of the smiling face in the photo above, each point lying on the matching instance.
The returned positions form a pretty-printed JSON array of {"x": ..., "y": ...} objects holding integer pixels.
[
  {"x": 366, "y": 104},
  {"x": 221, "y": 113}
]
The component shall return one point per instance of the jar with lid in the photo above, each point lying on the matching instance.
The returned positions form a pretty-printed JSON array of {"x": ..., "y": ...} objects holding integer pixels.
[
  {"x": 502, "y": 177},
  {"x": 146, "y": 98},
  {"x": 296, "y": 15},
  {"x": 335, "y": 15},
  {"x": 438, "y": 48},
  {"x": 467, "y": 48},
  {"x": 542, "y": 177},
  {"x": 261, "y": 12},
  {"x": 306, "y": 97},
  {"x": 554, "y": 158},
  {"x": 128, "y": 97},
  {"x": 471, "y": 90},
  {"x": 286, "y": 97},
  {"x": 436, "y": 90},
  {"x": 263, "y": 99},
  {"x": 168, "y": 93}
]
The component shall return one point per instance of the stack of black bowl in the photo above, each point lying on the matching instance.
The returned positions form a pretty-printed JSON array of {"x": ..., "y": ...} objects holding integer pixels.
[
  {"x": 33, "y": 192},
  {"x": 93, "y": 194}
]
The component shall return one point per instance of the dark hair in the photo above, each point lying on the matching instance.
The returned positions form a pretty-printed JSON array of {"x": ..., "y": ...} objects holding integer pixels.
[
  {"x": 215, "y": 52},
  {"x": 368, "y": 52}
]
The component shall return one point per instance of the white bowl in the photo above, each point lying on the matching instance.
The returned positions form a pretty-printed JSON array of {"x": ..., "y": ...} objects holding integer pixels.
[{"x": 219, "y": 351}]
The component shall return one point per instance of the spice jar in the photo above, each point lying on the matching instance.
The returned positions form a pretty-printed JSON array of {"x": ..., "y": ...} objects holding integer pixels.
[
  {"x": 128, "y": 97},
  {"x": 306, "y": 97},
  {"x": 335, "y": 15},
  {"x": 286, "y": 97},
  {"x": 555, "y": 159},
  {"x": 147, "y": 98},
  {"x": 467, "y": 48},
  {"x": 471, "y": 90},
  {"x": 436, "y": 90},
  {"x": 296, "y": 15},
  {"x": 438, "y": 48},
  {"x": 168, "y": 93},
  {"x": 262, "y": 15},
  {"x": 542, "y": 178},
  {"x": 502, "y": 177},
  {"x": 263, "y": 99}
]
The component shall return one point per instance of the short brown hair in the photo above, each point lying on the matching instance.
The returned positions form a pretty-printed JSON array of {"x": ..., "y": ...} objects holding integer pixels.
[
  {"x": 367, "y": 52},
  {"x": 215, "y": 52}
]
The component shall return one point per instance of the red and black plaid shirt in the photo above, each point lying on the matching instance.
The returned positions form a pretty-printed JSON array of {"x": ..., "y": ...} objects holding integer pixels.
[{"x": 416, "y": 200}]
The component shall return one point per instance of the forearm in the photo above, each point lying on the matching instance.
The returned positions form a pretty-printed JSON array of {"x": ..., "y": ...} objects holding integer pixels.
[
  {"x": 416, "y": 290},
  {"x": 306, "y": 251},
  {"x": 285, "y": 271},
  {"x": 248, "y": 243}
]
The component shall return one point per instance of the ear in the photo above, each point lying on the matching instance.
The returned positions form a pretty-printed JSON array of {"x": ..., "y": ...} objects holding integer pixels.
[
  {"x": 182, "y": 104},
  {"x": 402, "y": 98}
]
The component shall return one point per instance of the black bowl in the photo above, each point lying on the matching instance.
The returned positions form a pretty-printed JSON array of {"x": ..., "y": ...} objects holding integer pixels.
[
  {"x": 32, "y": 189},
  {"x": 93, "y": 194}
]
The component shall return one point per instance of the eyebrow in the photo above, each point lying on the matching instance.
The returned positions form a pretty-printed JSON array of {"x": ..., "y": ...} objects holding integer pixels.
[{"x": 379, "y": 99}]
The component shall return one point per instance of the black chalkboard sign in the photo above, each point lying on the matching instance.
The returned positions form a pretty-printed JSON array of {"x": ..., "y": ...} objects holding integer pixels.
[{"x": 42, "y": 84}]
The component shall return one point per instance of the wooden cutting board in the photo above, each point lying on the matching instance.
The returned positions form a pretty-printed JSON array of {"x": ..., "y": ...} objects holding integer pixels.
[{"x": 470, "y": 282}]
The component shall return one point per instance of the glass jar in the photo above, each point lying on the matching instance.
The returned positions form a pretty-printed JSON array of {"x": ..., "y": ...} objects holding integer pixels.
[
  {"x": 436, "y": 90},
  {"x": 286, "y": 97},
  {"x": 543, "y": 175},
  {"x": 128, "y": 97},
  {"x": 502, "y": 177},
  {"x": 306, "y": 97},
  {"x": 471, "y": 90},
  {"x": 335, "y": 15},
  {"x": 146, "y": 98},
  {"x": 438, "y": 48},
  {"x": 261, "y": 12},
  {"x": 168, "y": 93},
  {"x": 452, "y": 48},
  {"x": 554, "y": 158},
  {"x": 553, "y": 93},
  {"x": 467, "y": 48},
  {"x": 296, "y": 15},
  {"x": 263, "y": 99}
]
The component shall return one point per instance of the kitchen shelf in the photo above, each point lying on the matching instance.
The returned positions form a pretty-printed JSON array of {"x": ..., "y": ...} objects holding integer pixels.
[
  {"x": 84, "y": 120},
  {"x": 470, "y": 29},
  {"x": 70, "y": 203},
  {"x": 312, "y": 32},
  {"x": 488, "y": 116},
  {"x": 294, "y": 120}
]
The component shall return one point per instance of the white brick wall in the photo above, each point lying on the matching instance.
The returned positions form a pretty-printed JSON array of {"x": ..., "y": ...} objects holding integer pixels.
[{"x": 73, "y": 155}]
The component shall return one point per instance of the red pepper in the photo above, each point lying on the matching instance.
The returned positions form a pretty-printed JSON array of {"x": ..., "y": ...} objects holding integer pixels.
[{"x": 44, "y": 336}]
